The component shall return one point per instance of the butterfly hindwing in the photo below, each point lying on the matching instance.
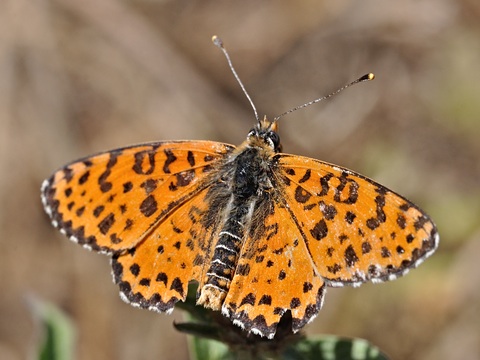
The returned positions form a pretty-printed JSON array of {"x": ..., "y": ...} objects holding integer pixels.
[
  {"x": 355, "y": 229},
  {"x": 155, "y": 274},
  {"x": 110, "y": 201},
  {"x": 274, "y": 275}
]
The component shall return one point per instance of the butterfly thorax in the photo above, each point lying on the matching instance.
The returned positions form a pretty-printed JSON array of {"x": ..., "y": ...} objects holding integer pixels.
[{"x": 246, "y": 185}]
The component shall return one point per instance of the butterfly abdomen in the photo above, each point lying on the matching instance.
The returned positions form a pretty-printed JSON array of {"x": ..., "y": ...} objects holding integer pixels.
[
  {"x": 246, "y": 177},
  {"x": 225, "y": 254}
]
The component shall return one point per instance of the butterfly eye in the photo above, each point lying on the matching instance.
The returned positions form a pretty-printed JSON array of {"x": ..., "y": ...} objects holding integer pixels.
[
  {"x": 251, "y": 133},
  {"x": 274, "y": 139}
]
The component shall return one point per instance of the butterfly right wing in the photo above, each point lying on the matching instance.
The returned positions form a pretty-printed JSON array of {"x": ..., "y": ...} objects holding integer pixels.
[{"x": 111, "y": 201}]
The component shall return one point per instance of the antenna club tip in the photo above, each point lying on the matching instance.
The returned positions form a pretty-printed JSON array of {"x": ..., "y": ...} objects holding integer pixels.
[
  {"x": 217, "y": 41},
  {"x": 367, "y": 77}
]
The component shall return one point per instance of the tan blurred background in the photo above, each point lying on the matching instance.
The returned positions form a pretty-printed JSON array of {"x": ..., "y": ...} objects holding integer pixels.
[{"x": 78, "y": 77}]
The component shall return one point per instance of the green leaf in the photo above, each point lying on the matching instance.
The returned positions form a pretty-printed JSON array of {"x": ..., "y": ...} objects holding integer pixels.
[
  {"x": 330, "y": 347},
  {"x": 203, "y": 349},
  {"x": 57, "y": 332}
]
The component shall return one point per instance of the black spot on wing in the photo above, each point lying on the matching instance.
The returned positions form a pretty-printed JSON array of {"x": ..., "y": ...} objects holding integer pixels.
[
  {"x": 301, "y": 195},
  {"x": 306, "y": 176},
  {"x": 295, "y": 303},
  {"x": 107, "y": 222},
  {"x": 350, "y": 256},
  {"x": 127, "y": 187},
  {"x": 191, "y": 158},
  {"x": 177, "y": 285},
  {"x": 320, "y": 230},
  {"x": 243, "y": 269},
  {"x": 265, "y": 300},
  {"x": 162, "y": 277},
  {"x": 84, "y": 178},
  {"x": 135, "y": 269},
  {"x": 248, "y": 299},
  {"x": 366, "y": 247},
  {"x": 149, "y": 185},
  {"x": 170, "y": 159},
  {"x": 143, "y": 167},
  {"x": 105, "y": 185},
  {"x": 350, "y": 217},
  {"x": 148, "y": 206}
]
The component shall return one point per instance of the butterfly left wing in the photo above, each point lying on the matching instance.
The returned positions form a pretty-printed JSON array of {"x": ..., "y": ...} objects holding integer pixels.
[
  {"x": 355, "y": 229},
  {"x": 110, "y": 201}
]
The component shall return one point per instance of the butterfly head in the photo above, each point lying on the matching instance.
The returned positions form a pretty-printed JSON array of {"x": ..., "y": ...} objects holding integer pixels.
[{"x": 265, "y": 134}]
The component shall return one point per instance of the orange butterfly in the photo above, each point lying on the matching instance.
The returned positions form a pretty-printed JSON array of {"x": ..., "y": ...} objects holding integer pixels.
[{"x": 261, "y": 231}]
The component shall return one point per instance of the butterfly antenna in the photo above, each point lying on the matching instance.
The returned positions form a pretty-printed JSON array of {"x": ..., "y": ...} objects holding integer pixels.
[
  {"x": 366, "y": 77},
  {"x": 219, "y": 43}
]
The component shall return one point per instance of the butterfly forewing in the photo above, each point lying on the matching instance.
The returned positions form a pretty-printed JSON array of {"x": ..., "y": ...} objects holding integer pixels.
[
  {"x": 110, "y": 201},
  {"x": 355, "y": 229}
]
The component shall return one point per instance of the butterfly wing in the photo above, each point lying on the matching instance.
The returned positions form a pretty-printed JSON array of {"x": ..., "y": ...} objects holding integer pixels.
[
  {"x": 322, "y": 225},
  {"x": 111, "y": 201},
  {"x": 155, "y": 273},
  {"x": 355, "y": 229},
  {"x": 274, "y": 274}
]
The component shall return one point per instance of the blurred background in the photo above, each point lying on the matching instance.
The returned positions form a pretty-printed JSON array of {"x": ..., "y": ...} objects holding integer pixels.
[{"x": 78, "y": 77}]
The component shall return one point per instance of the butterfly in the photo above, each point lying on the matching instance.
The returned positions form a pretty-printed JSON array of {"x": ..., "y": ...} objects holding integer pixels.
[{"x": 262, "y": 232}]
